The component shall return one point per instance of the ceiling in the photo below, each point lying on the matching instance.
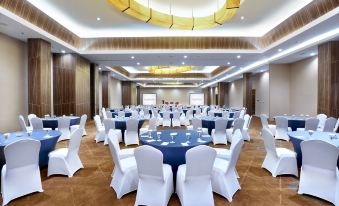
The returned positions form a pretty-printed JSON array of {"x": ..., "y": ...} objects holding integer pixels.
[{"x": 80, "y": 17}]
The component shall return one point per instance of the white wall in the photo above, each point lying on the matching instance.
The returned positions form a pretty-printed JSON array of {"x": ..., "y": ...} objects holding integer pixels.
[
  {"x": 236, "y": 94},
  {"x": 114, "y": 91},
  {"x": 304, "y": 87},
  {"x": 13, "y": 83},
  {"x": 180, "y": 95},
  {"x": 262, "y": 92}
]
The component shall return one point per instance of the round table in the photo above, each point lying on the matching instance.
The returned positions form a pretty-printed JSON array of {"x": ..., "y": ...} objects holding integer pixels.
[
  {"x": 174, "y": 153},
  {"x": 297, "y": 137},
  {"x": 127, "y": 114},
  {"x": 48, "y": 141},
  {"x": 295, "y": 121},
  {"x": 52, "y": 122},
  {"x": 120, "y": 123},
  {"x": 209, "y": 123}
]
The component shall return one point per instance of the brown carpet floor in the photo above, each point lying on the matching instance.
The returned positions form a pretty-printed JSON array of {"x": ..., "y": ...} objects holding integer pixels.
[{"x": 91, "y": 185}]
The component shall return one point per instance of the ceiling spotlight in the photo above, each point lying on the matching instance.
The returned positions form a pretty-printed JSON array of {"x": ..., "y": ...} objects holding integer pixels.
[
  {"x": 63, "y": 51},
  {"x": 182, "y": 63},
  {"x": 242, "y": 17},
  {"x": 312, "y": 54},
  {"x": 132, "y": 57},
  {"x": 98, "y": 18},
  {"x": 262, "y": 70},
  {"x": 99, "y": 68},
  {"x": 279, "y": 50},
  {"x": 185, "y": 57},
  {"x": 228, "y": 63},
  {"x": 138, "y": 63},
  {"x": 238, "y": 56}
]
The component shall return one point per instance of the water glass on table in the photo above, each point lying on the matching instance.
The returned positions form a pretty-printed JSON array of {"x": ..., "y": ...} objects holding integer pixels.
[
  {"x": 188, "y": 136},
  {"x": 158, "y": 136}
]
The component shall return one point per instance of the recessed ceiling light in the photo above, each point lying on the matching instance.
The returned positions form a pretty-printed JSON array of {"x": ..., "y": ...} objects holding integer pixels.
[
  {"x": 312, "y": 54},
  {"x": 182, "y": 63},
  {"x": 185, "y": 57},
  {"x": 238, "y": 56},
  {"x": 99, "y": 68},
  {"x": 98, "y": 18},
  {"x": 280, "y": 50},
  {"x": 228, "y": 63},
  {"x": 63, "y": 51},
  {"x": 262, "y": 70},
  {"x": 138, "y": 63},
  {"x": 242, "y": 17},
  {"x": 132, "y": 57}
]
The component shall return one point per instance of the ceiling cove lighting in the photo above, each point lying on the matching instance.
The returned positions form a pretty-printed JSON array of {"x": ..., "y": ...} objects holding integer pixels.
[
  {"x": 63, "y": 51},
  {"x": 297, "y": 48},
  {"x": 176, "y": 15},
  {"x": 169, "y": 69}
]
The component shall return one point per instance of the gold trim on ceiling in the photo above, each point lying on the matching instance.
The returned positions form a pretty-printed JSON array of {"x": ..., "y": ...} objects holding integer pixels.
[
  {"x": 169, "y": 69},
  {"x": 150, "y": 15}
]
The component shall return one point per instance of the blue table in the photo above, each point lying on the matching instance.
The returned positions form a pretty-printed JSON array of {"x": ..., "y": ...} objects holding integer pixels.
[
  {"x": 47, "y": 143},
  {"x": 174, "y": 153},
  {"x": 52, "y": 122},
  {"x": 209, "y": 123},
  {"x": 120, "y": 123},
  {"x": 297, "y": 137},
  {"x": 295, "y": 121},
  {"x": 127, "y": 114}
]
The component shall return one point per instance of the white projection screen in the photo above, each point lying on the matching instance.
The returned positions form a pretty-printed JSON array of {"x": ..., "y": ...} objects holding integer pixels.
[
  {"x": 197, "y": 99},
  {"x": 149, "y": 99}
]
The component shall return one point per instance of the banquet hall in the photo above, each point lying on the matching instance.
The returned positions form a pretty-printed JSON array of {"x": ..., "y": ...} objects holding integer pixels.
[{"x": 169, "y": 102}]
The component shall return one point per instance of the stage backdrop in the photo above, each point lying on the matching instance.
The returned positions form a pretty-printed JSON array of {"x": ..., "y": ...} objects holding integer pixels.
[
  {"x": 149, "y": 99},
  {"x": 197, "y": 99}
]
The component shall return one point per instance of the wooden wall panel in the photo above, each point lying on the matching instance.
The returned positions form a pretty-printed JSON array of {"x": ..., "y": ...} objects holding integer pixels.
[
  {"x": 126, "y": 91},
  {"x": 207, "y": 94},
  {"x": 328, "y": 79},
  {"x": 138, "y": 96},
  {"x": 223, "y": 93},
  {"x": 247, "y": 93},
  {"x": 105, "y": 96},
  {"x": 39, "y": 77},
  {"x": 82, "y": 87},
  {"x": 94, "y": 89}
]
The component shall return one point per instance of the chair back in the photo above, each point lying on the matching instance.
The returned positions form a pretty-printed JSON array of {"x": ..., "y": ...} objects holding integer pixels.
[
  {"x": 194, "y": 158},
  {"x": 281, "y": 123},
  {"x": 330, "y": 124},
  {"x": 221, "y": 125},
  {"x": 322, "y": 119},
  {"x": 152, "y": 124},
  {"x": 247, "y": 118},
  {"x": 109, "y": 115},
  {"x": 264, "y": 121},
  {"x": 83, "y": 120},
  {"x": 196, "y": 122},
  {"x": 22, "y": 123},
  {"x": 236, "y": 115},
  {"x": 104, "y": 114},
  {"x": 132, "y": 125},
  {"x": 149, "y": 162},
  {"x": 74, "y": 142},
  {"x": 269, "y": 142},
  {"x": 242, "y": 113},
  {"x": 30, "y": 116},
  {"x": 198, "y": 111},
  {"x": 336, "y": 126},
  {"x": 97, "y": 121},
  {"x": 235, "y": 153},
  {"x": 236, "y": 135},
  {"x": 22, "y": 153},
  {"x": 166, "y": 115},
  {"x": 176, "y": 115},
  {"x": 114, "y": 149},
  {"x": 112, "y": 135},
  {"x": 319, "y": 154},
  {"x": 109, "y": 124},
  {"x": 121, "y": 114},
  {"x": 238, "y": 124},
  {"x": 311, "y": 124},
  {"x": 37, "y": 123},
  {"x": 134, "y": 114},
  {"x": 64, "y": 122}
]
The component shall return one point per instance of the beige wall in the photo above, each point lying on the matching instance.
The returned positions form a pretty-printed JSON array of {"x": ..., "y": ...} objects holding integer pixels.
[
  {"x": 304, "y": 87},
  {"x": 114, "y": 91},
  {"x": 13, "y": 83},
  {"x": 262, "y": 92},
  {"x": 180, "y": 95},
  {"x": 236, "y": 94}
]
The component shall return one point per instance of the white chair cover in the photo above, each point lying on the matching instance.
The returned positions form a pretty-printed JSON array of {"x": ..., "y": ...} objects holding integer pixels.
[
  {"x": 194, "y": 179},
  {"x": 66, "y": 161},
  {"x": 198, "y": 113},
  {"x": 197, "y": 123},
  {"x": 104, "y": 114},
  {"x": 152, "y": 125},
  {"x": 247, "y": 124},
  {"x": 63, "y": 127},
  {"x": 82, "y": 125},
  {"x": 219, "y": 133},
  {"x": 166, "y": 119},
  {"x": 155, "y": 178},
  {"x": 36, "y": 123},
  {"x": 322, "y": 119},
  {"x": 319, "y": 174},
  {"x": 123, "y": 153},
  {"x": 278, "y": 161},
  {"x": 311, "y": 124},
  {"x": 109, "y": 124},
  {"x": 224, "y": 153},
  {"x": 176, "y": 119},
  {"x": 282, "y": 128},
  {"x": 29, "y": 117},
  {"x": 21, "y": 173},
  {"x": 330, "y": 124},
  {"x": 131, "y": 132},
  {"x": 100, "y": 133},
  {"x": 264, "y": 122},
  {"x": 121, "y": 114},
  {"x": 238, "y": 124},
  {"x": 109, "y": 114},
  {"x": 23, "y": 125}
]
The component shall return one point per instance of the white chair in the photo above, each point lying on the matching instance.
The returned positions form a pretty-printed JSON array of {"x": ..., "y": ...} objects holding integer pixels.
[
  {"x": 82, "y": 124},
  {"x": 238, "y": 124},
  {"x": 278, "y": 161},
  {"x": 23, "y": 125},
  {"x": 242, "y": 113},
  {"x": 21, "y": 173},
  {"x": 176, "y": 119},
  {"x": 37, "y": 124},
  {"x": 194, "y": 185},
  {"x": 282, "y": 128},
  {"x": 109, "y": 114},
  {"x": 66, "y": 161},
  {"x": 319, "y": 175},
  {"x": 166, "y": 119},
  {"x": 197, "y": 123},
  {"x": 109, "y": 124},
  {"x": 159, "y": 119},
  {"x": 131, "y": 132},
  {"x": 224, "y": 153},
  {"x": 225, "y": 115},
  {"x": 121, "y": 114},
  {"x": 104, "y": 114},
  {"x": 197, "y": 113},
  {"x": 29, "y": 117},
  {"x": 236, "y": 115},
  {"x": 155, "y": 185},
  {"x": 189, "y": 114},
  {"x": 100, "y": 133},
  {"x": 152, "y": 125},
  {"x": 219, "y": 133},
  {"x": 125, "y": 175},
  {"x": 63, "y": 127},
  {"x": 146, "y": 113},
  {"x": 264, "y": 123},
  {"x": 311, "y": 124},
  {"x": 336, "y": 126},
  {"x": 330, "y": 124},
  {"x": 322, "y": 119},
  {"x": 224, "y": 175},
  {"x": 184, "y": 120},
  {"x": 247, "y": 124},
  {"x": 122, "y": 153},
  {"x": 134, "y": 114}
]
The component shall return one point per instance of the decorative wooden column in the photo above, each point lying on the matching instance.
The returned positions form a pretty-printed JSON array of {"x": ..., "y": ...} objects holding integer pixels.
[
  {"x": 104, "y": 87},
  {"x": 247, "y": 93},
  {"x": 328, "y": 78},
  {"x": 94, "y": 89},
  {"x": 207, "y": 94},
  {"x": 223, "y": 93},
  {"x": 126, "y": 92},
  {"x": 138, "y": 95},
  {"x": 39, "y": 77}
]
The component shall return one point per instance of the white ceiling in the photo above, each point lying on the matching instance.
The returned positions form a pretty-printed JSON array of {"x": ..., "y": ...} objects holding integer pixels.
[{"x": 80, "y": 17}]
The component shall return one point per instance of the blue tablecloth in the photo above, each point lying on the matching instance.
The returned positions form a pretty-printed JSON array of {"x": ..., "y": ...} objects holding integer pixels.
[
  {"x": 120, "y": 123},
  {"x": 127, "y": 114},
  {"x": 47, "y": 143},
  {"x": 295, "y": 121},
  {"x": 209, "y": 123},
  {"x": 297, "y": 137},
  {"x": 174, "y": 153},
  {"x": 52, "y": 122}
]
